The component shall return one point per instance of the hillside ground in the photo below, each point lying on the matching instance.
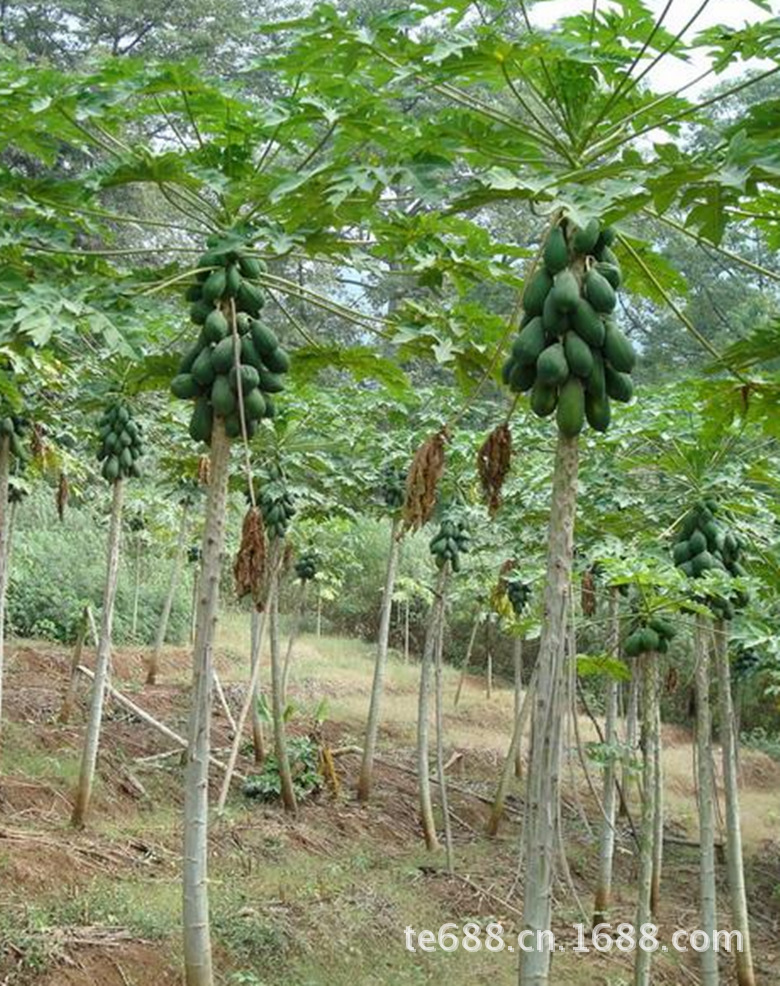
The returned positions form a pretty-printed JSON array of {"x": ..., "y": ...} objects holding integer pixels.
[{"x": 322, "y": 900}]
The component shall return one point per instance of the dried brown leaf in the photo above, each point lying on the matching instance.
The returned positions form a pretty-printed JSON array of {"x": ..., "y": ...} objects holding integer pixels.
[{"x": 493, "y": 462}]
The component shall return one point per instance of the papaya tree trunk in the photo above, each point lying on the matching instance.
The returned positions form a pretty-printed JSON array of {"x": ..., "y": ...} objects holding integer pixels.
[
  {"x": 5, "y": 467},
  {"x": 406, "y": 631},
  {"x": 294, "y": 631},
  {"x": 255, "y": 637},
  {"x": 380, "y": 664},
  {"x": 632, "y": 716},
  {"x": 277, "y": 699},
  {"x": 740, "y": 919},
  {"x": 197, "y": 933},
  {"x": 165, "y": 615},
  {"x": 603, "y": 897},
  {"x": 92, "y": 737},
  {"x": 445, "y": 808},
  {"x": 658, "y": 803},
  {"x": 194, "y": 605},
  {"x": 544, "y": 764},
  {"x": 518, "y": 662},
  {"x": 489, "y": 668},
  {"x": 423, "y": 725},
  {"x": 706, "y": 801},
  {"x": 467, "y": 660},
  {"x": 69, "y": 699},
  {"x": 647, "y": 673},
  {"x": 510, "y": 761}
]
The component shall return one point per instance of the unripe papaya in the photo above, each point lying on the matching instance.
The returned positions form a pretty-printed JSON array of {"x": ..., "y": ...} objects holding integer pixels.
[
  {"x": 233, "y": 425},
  {"x": 522, "y": 377},
  {"x": 702, "y": 563},
  {"x": 254, "y": 404},
  {"x": 596, "y": 384},
  {"x": 223, "y": 400},
  {"x": 203, "y": 369},
  {"x": 599, "y": 292},
  {"x": 214, "y": 285},
  {"x": 681, "y": 552},
  {"x": 620, "y": 386},
  {"x": 598, "y": 411},
  {"x": 579, "y": 355},
  {"x": 249, "y": 353},
  {"x": 111, "y": 468},
  {"x": 232, "y": 281},
  {"x": 250, "y": 298},
  {"x": 506, "y": 370},
  {"x": 193, "y": 293},
  {"x": 552, "y": 369},
  {"x": 536, "y": 290},
  {"x": 610, "y": 272},
  {"x": 278, "y": 360},
  {"x": 543, "y": 399},
  {"x": 199, "y": 312},
  {"x": 215, "y": 327},
  {"x": 566, "y": 291},
  {"x": 617, "y": 348},
  {"x": 554, "y": 321},
  {"x": 556, "y": 253},
  {"x": 250, "y": 378},
  {"x": 264, "y": 338},
  {"x": 570, "y": 413},
  {"x": 585, "y": 239},
  {"x": 529, "y": 344},
  {"x": 270, "y": 383},
  {"x": 251, "y": 267},
  {"x": 587, "y": 323},
  {"x": 201, "y": 421},
  {"x": 189, "y": 357},
  {"x": 222, "y": 356},
  {"x": 697, "y": 543}
]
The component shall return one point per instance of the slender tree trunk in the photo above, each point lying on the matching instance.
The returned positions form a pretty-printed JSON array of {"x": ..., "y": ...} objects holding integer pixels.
[
  {"x": 380, "y": 665},
  {"x": 740, "y": 920},
  {"x": 544, "y": 766},
  {"x": 489, "y": 669},
  {"x": 518, "y": 662},
  {"x": 607, "y": 841},
  {"x": 319, "y": 615},
  {"x": 194, "y": 607},
  {"x": 197, "y": 933},
  {"x": 632, "y": 716},
  {"x": 705, "y": 796},
  {"x": 647, "y": 669},
  {"x": 406, "y": 631},
  {"x": 658, "y": 803},
  {"x": 466, "y": 660},
  {"x": 423, "y": 725},
  {"x": 445, "y": 808},
  {"x": 294, "y": 631},
  {"x": 5, "y": 466},
  {"x": 510, "y": 761},
  {"x": 255, "y": 634},
  {"x": 92, "y": 737},
  {"x": 277, "y": 701},
  {"x": 136, "y": 587},
  {"x": 69, "y": 699},
  {"x": 165, "y": 615}
]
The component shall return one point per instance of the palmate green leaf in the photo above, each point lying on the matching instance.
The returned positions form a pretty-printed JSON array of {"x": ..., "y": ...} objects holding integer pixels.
[
  {"x": 762, "y": 346},
  {"x": 359, "y": 361},
  {"x": 593, "y": 665},
  {"x": 637, "y": 281}
]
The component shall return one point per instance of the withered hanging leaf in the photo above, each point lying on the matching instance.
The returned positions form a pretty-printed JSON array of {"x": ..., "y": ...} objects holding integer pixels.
[
  {"x": 249, "y": 566},
  {"x": 204, "y": 470},
  {"x": 63, "y": 495},
  {"x": 422, "y": 480},
  {"x": 493, "y": 462},
  {"x": 37, "y": 442},
  {"x": 588, "y": 593}
]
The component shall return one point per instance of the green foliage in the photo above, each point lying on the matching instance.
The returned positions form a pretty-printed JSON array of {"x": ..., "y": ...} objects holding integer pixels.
[{"x": 303, "y": 753}]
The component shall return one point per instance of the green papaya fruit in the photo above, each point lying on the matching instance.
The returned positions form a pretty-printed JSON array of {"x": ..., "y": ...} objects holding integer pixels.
[
  {"x": 650, "y": 640},
  {"x": 251, "y": 267},
  {"x": 552, "y": 369},
  {"x": 215, "y": 327},
  {"x": 193, "y": 293},
  {"x": 222, "y": 355},
  {"x": 662, "y": 627},
  {"x": 185, "y": 386},
  {"x": 687, "y": 569},
  {"x": 585, "y": 239},
  {"x": 250, "y": 298},
  {"x": 579, "y": 355},
  {"x": 620, "y": 386},
  {"x": 208, "y": 261},
  {"x": 214, "y": 285},
  {"x": 203, "y": 369},
  {"x": 522, "y": 377},
  {"x": 270, "y": 406},
  {"x": 608, "y": 257},
  {"x": 681, "y": 552},
  {"x": 249, "y": 353},
  {"x": 250, "y": 377},
  {"x": 232, "y": 281},
  {"x": 126, "y": 459},
  {"x": 111, "y": 442},
  {"x": 617, "y": 348},
  {"x": 135, "y": 471},
  {"x": 610, "y": 272},
  {"x": 554, "y": 321},
  {"x": 507, "y": 368},
  {"x": 566, "y": 291},
  {"x": 254, "y": 404},
  {"x": 598, "y": 412},
  {"x": 264, "y": 338},
  {"x": 111, "y": 468},
  {"x": 202, "y": 421},
  {"x": 599, "y": 292},
  {"x": 543, "y": 399},
  {"x": 529, "y": 344},
  {"x": 570, "y": 413},
  {"x": 702, "y": 562},
  {"x": 556, "y": 252},
  {"x": 223, "y": 399},
  {"x": 608, "y": 235},
  {"x": 200, "y": 311},
  {"x": 596, "y": 384},
  {"x": 587, "y": 323},
  {"x": 697, "y": 543},
  {"x": 233, "y": 425},
  {"x": 536, "y": 290},
  {"x": 277, "y": 361}
]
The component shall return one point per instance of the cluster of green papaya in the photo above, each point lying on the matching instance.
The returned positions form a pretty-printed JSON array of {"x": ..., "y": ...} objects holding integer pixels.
[
  {"x": 650, "y": 637},
  {"x": 194, "y": 554},
  {"x": 14, "y": 427},
  {"x": 705, "y": 544},
  {"x": 121, "y": 443},
  {"x": 451, "y": 540},
  {"x": 306, "y": 566},
  {"x": 276, "y": 504},
  {"x": 570, "y": 352},
  {"x": 211, "y": 372},
  {"x": 518, "y": 594},
  {"x": 392, "y": 487}
]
